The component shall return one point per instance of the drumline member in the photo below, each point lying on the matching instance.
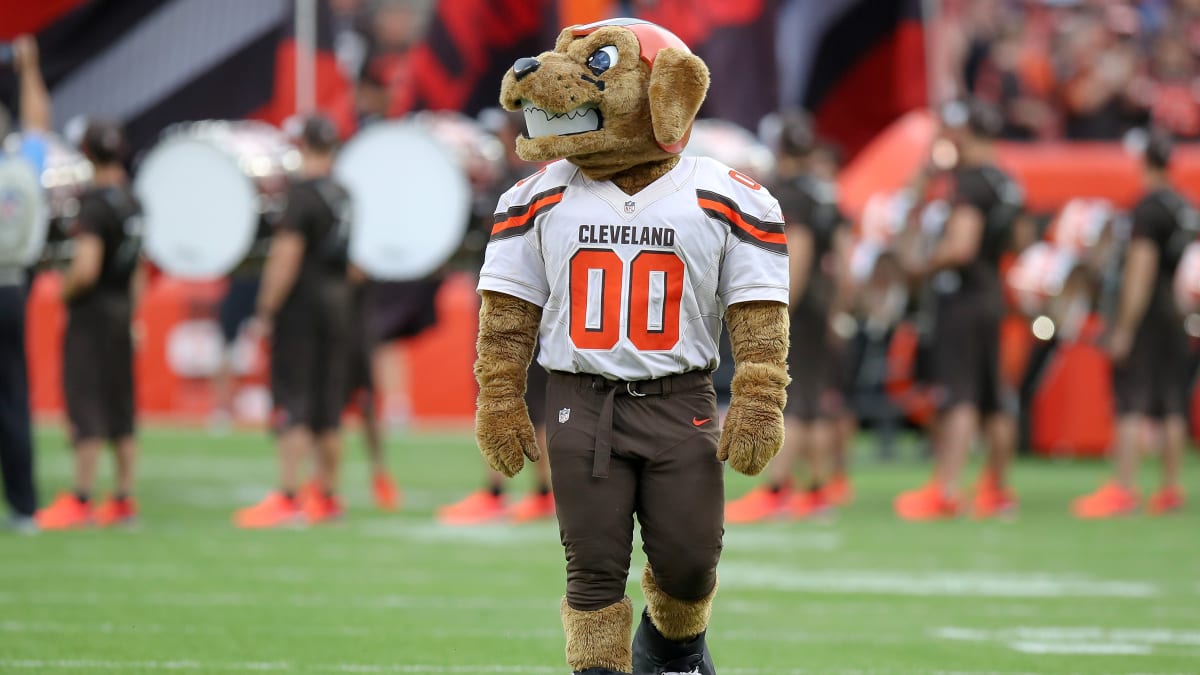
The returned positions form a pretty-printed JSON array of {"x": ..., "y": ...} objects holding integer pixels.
[
  {"x": 16, "y": 438},
  {"x": 1148, "y": 345},
  {"x": 304, "y": 306},
  {"x": 963, "y": 273},
  {"x": 488, "y": 503},
  {"x": 365, "y": 395},
  {"x": 817, "y": 235},
  {"x": 101, "y": 288},
  {"x": 234, "y": 313}
]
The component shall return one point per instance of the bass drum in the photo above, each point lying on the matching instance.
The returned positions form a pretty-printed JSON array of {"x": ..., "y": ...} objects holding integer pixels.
[
  {"x": 411, "y": 197},
  {"x": 208, "y": 190},
  {"x": 733, "y": 146},
  {"x": 1187, "y": 280}
]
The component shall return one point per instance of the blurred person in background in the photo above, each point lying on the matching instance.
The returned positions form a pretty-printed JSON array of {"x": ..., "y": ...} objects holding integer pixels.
[
  {"x": 818, "y": 238},
  {"x": 304, "y": 306},
  {"x": 364, "y": 395},
  {"x": 16, "y": 439},
  {"x": 234, "y": 314},
  {"x": 391, "y": 310},
  {"x": 101, "y": 288},
  {"x": 488, "y": 504},
  {"x": 1171, "y": 88},
  {"x": 962, "y": 272},
  {"x": 350, "y": 42},
  {"x": 1148, "y": 345},
  {"x": 1101, "y": 64},
  {"x": 1018, "y": 81}
]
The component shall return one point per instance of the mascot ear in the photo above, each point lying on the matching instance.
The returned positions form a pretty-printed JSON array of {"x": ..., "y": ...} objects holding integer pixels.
[
  {"x": 565, "y": 37},
  {"x": 678, "y": 84}
]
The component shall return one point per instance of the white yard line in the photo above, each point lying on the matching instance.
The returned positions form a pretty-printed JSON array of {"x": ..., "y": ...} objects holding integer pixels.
[
  {"x": 1151, "y": 636},
  {"x": 944, "y": 583},
  {"x": 1081, "y": 648},
  {"x": 1077, "y": 640}
]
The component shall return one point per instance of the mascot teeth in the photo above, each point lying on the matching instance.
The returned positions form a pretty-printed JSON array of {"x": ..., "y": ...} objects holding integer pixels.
[{"x": 540, "y": 122}]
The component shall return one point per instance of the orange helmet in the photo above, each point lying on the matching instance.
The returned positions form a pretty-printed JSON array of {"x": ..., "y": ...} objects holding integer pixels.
[{"x": 651, "y": 39}]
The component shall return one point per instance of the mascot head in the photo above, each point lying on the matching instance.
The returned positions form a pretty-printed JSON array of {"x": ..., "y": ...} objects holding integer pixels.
[{"x": 612, "y": 95}]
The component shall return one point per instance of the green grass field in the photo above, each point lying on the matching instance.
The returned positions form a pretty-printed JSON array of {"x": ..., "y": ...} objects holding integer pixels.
[{"x": 398, "y": 594}]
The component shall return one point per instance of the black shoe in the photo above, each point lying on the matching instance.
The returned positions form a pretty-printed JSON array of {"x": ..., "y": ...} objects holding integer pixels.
[
  {"x": 654, "y": 654},
  {"x": 688, "y": 665}
]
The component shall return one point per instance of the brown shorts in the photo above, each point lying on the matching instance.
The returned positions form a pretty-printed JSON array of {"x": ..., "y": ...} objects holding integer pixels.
[
  {"x": 310, "y": 360},
  {"x": 662, "y": 468},
  {"x": 397, "y": 310},
  {"x": 965, "y": 357},
  {"x": 360, "y": 377},
  {"x": 813, "y": 393},
  {"x": 1153, "y": 379},
  {"x": 98, "y": 368}
]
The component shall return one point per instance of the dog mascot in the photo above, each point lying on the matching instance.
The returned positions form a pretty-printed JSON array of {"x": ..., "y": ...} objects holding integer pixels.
[{"x": 623, "y": 258}]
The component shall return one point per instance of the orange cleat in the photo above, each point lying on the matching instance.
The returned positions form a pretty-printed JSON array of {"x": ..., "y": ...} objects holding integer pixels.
[
  {"x": 275, "y": 510},
  {"x": 839, "y": 491},
  {"x": 992, "y": 499},
  {"x": 1166, "y": 500},
  {"x": 323, "y": 509},
  {"x": 116, "y": 512},
  {"x": 387, "y": 495},
  {"x": 476, "y": 508},
  {"x": 308, "y": 492},
  {"x": 1109, "y": 501},
  {"x": 761, "y": 503},
  {"x": 66, "y": 512},
  {"x": 808, "y": 504},
  {"x": 925, "y": 503},
  {"x": 535, "y": 506}
]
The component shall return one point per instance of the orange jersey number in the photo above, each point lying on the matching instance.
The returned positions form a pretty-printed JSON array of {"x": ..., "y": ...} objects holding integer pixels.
[{"x": 655, "y": 292}]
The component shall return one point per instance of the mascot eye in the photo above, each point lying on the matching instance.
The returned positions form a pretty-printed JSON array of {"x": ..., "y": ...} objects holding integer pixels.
[{"x": 602, "y": 59}]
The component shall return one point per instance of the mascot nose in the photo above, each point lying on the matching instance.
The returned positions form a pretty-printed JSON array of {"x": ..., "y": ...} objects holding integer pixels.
[{"x": 525, "y": 66}]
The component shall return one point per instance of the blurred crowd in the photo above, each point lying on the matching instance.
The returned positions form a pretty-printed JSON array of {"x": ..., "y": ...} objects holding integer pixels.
[
  {"x": 1074, "y": 69},
  {"x": 371, "y": 41}
]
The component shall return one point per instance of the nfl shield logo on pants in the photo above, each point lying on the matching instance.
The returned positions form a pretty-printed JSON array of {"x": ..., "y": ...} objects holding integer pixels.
[
  {"x": 630, "y": 207},
  {"x": 564, "y": 415}
]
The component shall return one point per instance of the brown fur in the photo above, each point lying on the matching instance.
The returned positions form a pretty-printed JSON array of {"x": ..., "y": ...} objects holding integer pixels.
[
  {"x": 753, "y": 429},
  {"x": 508, "y": 329},
  {"x": 599, "y": 639},
  {"x": 679, "y": 620},
  {"x": 639, "y": 108}
]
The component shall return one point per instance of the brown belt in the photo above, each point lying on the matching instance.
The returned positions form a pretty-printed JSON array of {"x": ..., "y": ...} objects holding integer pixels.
[{"x": 662, "y": 386}]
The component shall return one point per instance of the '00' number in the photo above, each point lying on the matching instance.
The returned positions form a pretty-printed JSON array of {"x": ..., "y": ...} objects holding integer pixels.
[{"x": 654, "y": 289}]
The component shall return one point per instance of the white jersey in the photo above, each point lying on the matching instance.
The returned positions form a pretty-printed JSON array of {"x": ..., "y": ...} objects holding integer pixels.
[{"x": 635, "y": 287}]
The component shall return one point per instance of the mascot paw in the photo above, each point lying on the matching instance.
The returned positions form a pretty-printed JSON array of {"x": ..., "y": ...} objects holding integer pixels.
[
  {"x": 753, "y": 429},
  {"x": 505, "y": 435},
  {"x": 752, "y": 434}
]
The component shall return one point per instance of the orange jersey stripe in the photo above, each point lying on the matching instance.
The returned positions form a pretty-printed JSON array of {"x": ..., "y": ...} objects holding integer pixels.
[
  {"x": 736, "y": 218},
  {"x": 534, "y": 209}
]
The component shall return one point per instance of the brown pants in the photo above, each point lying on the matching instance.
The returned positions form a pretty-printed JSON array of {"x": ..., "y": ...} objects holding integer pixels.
[
  {"x": 662, "y": 466},
  {"x": 98, "y": 367}
]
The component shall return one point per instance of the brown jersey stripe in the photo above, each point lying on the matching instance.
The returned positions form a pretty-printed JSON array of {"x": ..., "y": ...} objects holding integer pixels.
[
  {"x": 518, "y": 219},
  {"x": 764, "y": 234}
]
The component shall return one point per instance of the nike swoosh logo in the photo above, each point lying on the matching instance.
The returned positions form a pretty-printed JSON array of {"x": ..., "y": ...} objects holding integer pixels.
[{"x": 701, "y": 422}]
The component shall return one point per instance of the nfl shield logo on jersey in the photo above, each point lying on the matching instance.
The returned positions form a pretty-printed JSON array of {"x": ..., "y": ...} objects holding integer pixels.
[
  {"x": 630, "y": 206},
  {"x": 564, "y": 415}
]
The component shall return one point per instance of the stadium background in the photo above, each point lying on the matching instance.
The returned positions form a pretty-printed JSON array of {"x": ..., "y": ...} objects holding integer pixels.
[{"x": 1039, "y": 595}]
